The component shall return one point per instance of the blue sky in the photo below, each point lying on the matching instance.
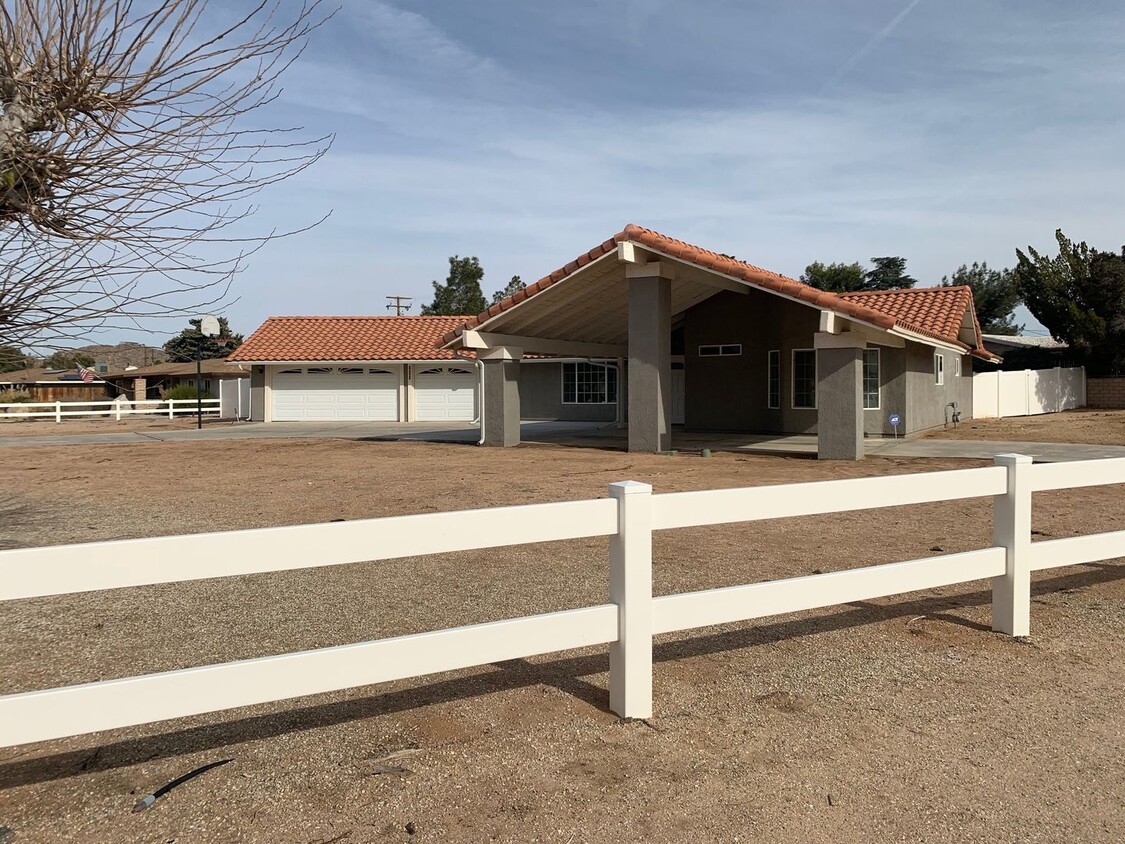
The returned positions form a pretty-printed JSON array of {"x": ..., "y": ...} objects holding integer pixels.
[{"x": 525, "y": 133}]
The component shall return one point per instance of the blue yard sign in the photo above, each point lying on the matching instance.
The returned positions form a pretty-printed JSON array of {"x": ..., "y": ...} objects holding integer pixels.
[{"x": 895, "y": 420}]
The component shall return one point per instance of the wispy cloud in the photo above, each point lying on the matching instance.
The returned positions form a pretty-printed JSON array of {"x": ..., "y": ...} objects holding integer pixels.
[{"x": 875, "y": 40}]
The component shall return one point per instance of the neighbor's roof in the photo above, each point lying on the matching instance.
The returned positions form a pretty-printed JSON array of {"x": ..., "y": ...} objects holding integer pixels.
[
  {"x": 349, "y": 338},
  {"x": 929, "y": 316},
  {"x": 1025, "y": 342}
]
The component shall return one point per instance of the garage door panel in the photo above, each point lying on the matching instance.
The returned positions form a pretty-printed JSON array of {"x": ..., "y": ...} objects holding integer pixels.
[
  {"x": 330, "y": 396},
  {"x": 445, "y": 394}
]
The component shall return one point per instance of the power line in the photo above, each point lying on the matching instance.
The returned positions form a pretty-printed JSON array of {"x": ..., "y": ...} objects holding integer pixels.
[{"x": 396, "y": 304}]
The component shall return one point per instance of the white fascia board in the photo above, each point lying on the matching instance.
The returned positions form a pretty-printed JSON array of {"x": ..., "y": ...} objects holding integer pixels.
[{"x": 929, "y": 341}]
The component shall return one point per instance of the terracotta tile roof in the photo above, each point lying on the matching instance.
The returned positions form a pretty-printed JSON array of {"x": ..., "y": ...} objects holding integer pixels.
[
  {"x": 349, "y": 338},
  {"x": 918, "y": 320},
  {"x": 939, "y": 310}
]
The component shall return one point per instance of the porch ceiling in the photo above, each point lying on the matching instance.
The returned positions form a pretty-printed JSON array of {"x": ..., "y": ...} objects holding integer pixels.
[{"x": 592, "y": 304}]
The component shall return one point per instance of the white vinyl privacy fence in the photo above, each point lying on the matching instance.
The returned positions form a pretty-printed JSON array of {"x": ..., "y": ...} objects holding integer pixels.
[
  {"x": 627, "y": 623},
  {"x": 234, "y": 398},
  {"x": 1028, "y": 392}
]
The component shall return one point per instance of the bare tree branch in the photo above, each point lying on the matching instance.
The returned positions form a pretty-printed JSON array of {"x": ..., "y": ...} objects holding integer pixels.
[{"x": 126, "y": 155}]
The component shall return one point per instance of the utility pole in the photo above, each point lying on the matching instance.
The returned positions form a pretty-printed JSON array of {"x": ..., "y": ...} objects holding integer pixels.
[{"x": 396, "y": 304}]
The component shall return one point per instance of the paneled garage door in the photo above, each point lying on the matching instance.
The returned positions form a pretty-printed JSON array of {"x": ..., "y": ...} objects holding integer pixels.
[
  {"x": 445, "y": 393},
  {"x": 329, "y": 393}
]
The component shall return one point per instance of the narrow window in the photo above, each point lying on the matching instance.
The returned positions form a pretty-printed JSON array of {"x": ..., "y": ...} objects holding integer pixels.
[
  {"x": 804, "y": 379},
  {"x": 870, "y": 379},
  {"x": 773, "y": 368},
  {"x": 939, "y": 369},
  {"x": 957, "y": 367},
  {"x": 588, "y": 383}
]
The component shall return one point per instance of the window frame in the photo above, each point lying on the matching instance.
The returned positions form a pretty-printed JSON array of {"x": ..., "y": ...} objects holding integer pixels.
[
  {"x": 722, "y": 350},
  {"x": 878, "y": 379},
  {"x": 939, "y": 369},
  {"x": 773, "y": 358},
  {"x": 610, "y": 399},
  {"x": 793, "y": 380}
]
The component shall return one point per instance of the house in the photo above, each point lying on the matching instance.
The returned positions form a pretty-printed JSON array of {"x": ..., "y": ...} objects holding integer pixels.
[
  {"x": 724, "y": 345},
  {"x": 645, "y": 329},
  {"x": 44, "y": 385},
  {"x": 1021, "y": 352},
  {"x": 153, "y": 381}
]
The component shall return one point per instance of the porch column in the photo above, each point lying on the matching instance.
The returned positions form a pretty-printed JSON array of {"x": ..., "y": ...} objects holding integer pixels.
[
  {"x": 839, "y": 396},
  {"x": 500, "y": 396},
  {"x": 650, "y": 350},
  {"x": 140, "y": 389}
]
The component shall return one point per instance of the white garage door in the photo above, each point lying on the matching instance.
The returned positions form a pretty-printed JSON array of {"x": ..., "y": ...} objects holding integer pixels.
[
  {"x": 445, "y": 393},
  {"x": 330, "y": 393}
]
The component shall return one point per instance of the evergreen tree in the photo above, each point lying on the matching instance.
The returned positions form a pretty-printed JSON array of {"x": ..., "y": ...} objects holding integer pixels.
[
  {"x": 191, "y": 343},
  {"x": 511, "y": 287},
  {"x": 889, "y": 273},
  {"x": 461, "y": 293},
  {"x": 837, "y": 278}
]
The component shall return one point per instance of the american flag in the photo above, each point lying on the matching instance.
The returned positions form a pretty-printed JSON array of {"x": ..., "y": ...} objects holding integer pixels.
[{"x": 86, "y": 374}]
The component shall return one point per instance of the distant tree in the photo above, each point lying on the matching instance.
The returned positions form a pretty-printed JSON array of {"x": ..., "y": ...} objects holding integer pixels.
[
  {"x": 511, "y": 287},
  {"x": 838, "y": 278},
  {"x": 1079, "y": 295},
  {"x": 994, "y": 295},
  {"x": 68, "y": 360},
  {"x": 889, "y": 273},
  {"x": 191, "y": 343},
  {"x": 12, "y": 358},
  {"x": 461, "y": 293}
]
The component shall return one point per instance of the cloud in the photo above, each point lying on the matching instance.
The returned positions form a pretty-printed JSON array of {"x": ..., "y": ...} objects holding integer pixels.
[{"x": 875, "y": 40}]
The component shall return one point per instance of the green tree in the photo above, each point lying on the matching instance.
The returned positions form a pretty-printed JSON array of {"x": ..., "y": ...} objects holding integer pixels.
[
  {"x": 994, "y": 295},
  {"x": 68, "y": 360},
  {"x": 191, "y": 343},
  {"x": 511, "y": 287},
  {"x": 1079, "y": 295},
  {"x": 838, "y": 278},
  {"x": 461, "y": 293},
  {"x": 889, "y": 273},
  {"x": 12, "y": 358}
]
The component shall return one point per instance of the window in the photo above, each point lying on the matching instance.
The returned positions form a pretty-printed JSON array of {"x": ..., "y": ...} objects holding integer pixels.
[
  {"x": 588, "y": 383},
  {"x": 351, "y": 370},
  {"x": 318, "y": 370},
  {"x": 870, "y": 379},
  {"x": 291, "y": 372},
  {"x": 939, "y": 369},
  {"x": 957, "y": 367},
  {"x": 804, "y": 379},
  {"x": 773, "y": 370},
  {"x": 720, "y": 351}
]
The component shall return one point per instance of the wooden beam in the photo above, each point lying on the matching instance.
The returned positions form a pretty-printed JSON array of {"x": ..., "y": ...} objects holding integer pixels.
[{"x": 543, "y": 345}]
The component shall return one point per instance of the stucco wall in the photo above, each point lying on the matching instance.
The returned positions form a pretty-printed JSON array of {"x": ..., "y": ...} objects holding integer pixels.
[
  {"x": 926, "y": 402},
  {"x": 729, "y": 393},
  {"x": 257, "y": 393},
  {"x": 541, "y": 396}
]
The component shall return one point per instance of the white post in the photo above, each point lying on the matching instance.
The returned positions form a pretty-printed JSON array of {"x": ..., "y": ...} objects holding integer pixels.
[
  {"x": 630, "y": 587},
  {"x": 58, "y": 411},
  {"x": 171, "y": 408},
  {"x": 1011, "y": 529},
  {"x": 117, "y": 410}
]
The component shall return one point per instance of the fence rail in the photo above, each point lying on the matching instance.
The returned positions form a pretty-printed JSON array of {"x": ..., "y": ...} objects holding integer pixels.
[
  {"x": 627, "y": 624},
  {"x": 58, "y": 410}
]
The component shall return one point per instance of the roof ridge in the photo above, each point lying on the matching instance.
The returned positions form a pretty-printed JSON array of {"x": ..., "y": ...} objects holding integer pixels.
[{"x": 372, "y": 316}]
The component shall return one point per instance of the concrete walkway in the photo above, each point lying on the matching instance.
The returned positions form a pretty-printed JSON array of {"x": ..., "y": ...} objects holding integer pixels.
[{"x": 585, "y": 434}]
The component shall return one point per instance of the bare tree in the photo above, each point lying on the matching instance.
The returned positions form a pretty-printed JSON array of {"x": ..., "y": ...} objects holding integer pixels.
[{"x": 127, "y": 160}]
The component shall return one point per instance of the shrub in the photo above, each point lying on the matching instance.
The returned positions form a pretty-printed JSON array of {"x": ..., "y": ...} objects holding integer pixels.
[
  {"x": 183, "y": 391},
  {"x": 14, "y": 397}
]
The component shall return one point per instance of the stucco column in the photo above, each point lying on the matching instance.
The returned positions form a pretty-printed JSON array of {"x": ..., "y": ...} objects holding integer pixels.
[
  {"x": 140, "y": 389},
  {"x": 839, "y": 396},
  {"x": 650, "y": 364},
  {"x": 500, "y": 396}
]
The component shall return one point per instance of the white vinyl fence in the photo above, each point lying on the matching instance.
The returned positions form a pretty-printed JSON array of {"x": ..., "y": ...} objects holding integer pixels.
[
  {"x": 116, "y": 409},
  {"x": 1028, "y": 392},
  {"x": 627, "y": 623}
]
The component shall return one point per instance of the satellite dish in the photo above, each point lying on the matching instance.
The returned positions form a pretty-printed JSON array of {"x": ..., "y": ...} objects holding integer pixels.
[{"x": 209, "y": 326}]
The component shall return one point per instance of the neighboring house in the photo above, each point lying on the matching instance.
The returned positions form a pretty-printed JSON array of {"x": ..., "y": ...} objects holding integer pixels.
[
  {"x": 152, "y": 382},
  {"x": 1022, "y": 352},
  {"x": 725, "y": 345},
  {"x": 56, "y": 385}
]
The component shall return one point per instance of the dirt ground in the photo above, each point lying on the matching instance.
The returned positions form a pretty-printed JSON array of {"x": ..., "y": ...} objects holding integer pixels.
[
  {"x": 1087, "y": 425},
  {"x": 902, "y": 719},
  {"x": 13, "y": 426}
]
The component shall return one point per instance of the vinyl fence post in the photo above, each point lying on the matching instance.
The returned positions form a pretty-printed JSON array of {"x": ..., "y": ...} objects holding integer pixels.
[
  {"x": 58, "y": 411},
  {"x": 1011, "y": 591},
  {"x": 171, "y": 408},
  {"x": 630, "y": 587}
]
